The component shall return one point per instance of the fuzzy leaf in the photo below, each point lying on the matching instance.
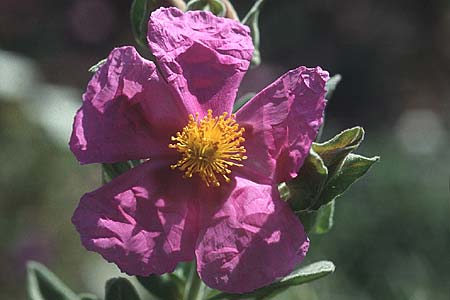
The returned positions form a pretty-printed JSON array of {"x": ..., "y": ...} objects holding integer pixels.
[
  {"x": 217, "y": 7},
  {"x": 308, "y": 273},
  {"x": 300, "y": 276},
  {"x": 97, "y": 66},
  {"x": 139, "y": 15},
  {"x": 353, "y": 168},
  {"x": 308, "y": 219},
  {"x": 241, "y": 101},
  {"x": 165, "y": 287},
  {"x": 86, "y": 296},
  {"x": 180, "y": 4},
  {"x": 111, "y": 171},
  {"x": 318, "y": 221},
  {"x": 197, "y": 5},
  {"x": 231, "y": 12},
  {"x": 335, "y": 150},
  {"x": 251, "y": 20},
  {"x": 331, "y": 85},
  {"x": 120, "y": 289},
  {"x": 324, "y": 218},
  {"x": 42, "y": 284},
  {"x": 304, "y": 190}
]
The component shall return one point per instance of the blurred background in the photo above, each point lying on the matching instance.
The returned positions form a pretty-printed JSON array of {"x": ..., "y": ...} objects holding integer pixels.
[{"x": 391, "y": 238}]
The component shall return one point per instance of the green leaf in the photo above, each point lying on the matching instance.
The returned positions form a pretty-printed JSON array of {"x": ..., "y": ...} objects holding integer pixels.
[
  {"x": 251, "y": 20},
  {"x": 331, "y": 85},
  {"x": 139, "y": 15},
  {"x": 231, "y": 12},
  {"x": 111, "y": 171},
  {"x": 97, "y": 66},
  {"x": 182, "y": 270},
  {"x": 313, "y": 203},
  {"x": 180, "y": 4},
  {"x": 42, "y": 284},
  {"x": 197, "y": 5},
  {"x": 318, "y": 221},
  {"x": 324, "y": 218},
  {"x": 241, "y": 101},
  {"x": 120, "y": 289},
  {"x": 300, "y": 276},
  {"x": 353, "y": 168},
  {"x": 303, "y": 191},
  {"x": 86, "y": 296},
  {"x": 165, "y": 287},
  {"x": 195, "y": 288},
  {"x": 217, "y": 8},
  {"x": 335, "y": 150},
  {"x": 308, "y": 273},
  {"x": 308, "y": 219}
]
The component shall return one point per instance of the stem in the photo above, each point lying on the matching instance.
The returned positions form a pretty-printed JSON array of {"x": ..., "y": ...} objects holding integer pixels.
[{"x": 195, "y": 288}]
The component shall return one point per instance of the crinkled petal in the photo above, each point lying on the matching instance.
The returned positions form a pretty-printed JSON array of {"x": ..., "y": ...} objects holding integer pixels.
[
  {"x": 143, "y": 220},
  {"x": 203, "y": 56},
  {"x": 126, "y": 113},
  {"x": 281, "y": 122},
  {"x": 252, "y": 240}
]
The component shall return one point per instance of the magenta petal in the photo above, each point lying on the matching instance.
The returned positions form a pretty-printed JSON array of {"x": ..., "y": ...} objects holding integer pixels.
[
  {"x": 139, "y": 221},
  {"x": 116, "y": 122},
  {"x": 281, "y": 123},
  {"x": 203, "y": 56},
  {"x": 251, "y": 241}
]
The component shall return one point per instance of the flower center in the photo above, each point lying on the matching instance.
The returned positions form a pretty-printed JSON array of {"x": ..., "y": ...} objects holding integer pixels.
[{"x": 209, "y": 147}]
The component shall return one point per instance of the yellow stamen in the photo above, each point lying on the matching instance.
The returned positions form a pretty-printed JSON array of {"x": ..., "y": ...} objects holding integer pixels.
[{"x": 209, "y": 147}]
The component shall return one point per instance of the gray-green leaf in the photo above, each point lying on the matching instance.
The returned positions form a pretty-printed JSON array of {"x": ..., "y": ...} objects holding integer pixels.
[
  {"x": 165, "y": 287},
  {"x": 303, "y": 191},
  {"x": 197, "y": 5},
  {"x": 308, "y": 273},
  {"x": 353, "y": 168},
  {"x": 335, "y": 150},
  {"x": 331, "y": 85},
  {"x": 318, "y": 221},
  {"x": 241, "y": 101},
  {"x": 120, "y": 289},
  {"x": 217, "y": 7},
  {"x": 97, "y": 66},
  {"x": 324, "y": 218},
  {"x": 300, "y": 276},
  {"x": 251, "y": 20},
  {"x": 86, "y": 296},
  {"x": 111, "y": 171},
  {"x": 139, "y": 14},
  {"x": 42, "y": 284}
]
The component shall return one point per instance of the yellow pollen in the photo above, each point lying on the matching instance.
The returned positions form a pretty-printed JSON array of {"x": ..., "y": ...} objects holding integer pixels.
[{"x": 209, "y": 147}]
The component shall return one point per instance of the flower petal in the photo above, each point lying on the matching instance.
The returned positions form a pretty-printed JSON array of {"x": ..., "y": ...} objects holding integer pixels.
[
  {"x": 119, "y": 119},
  {"x": 140, "y": 221},
  {"x": 203, "y": 56},
  {"x": 252, "y": 240},
  {"x": 281, "y": 122}
]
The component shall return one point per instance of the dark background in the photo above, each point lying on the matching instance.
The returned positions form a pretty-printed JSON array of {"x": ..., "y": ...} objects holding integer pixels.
[{"x": 391, "y": 238}]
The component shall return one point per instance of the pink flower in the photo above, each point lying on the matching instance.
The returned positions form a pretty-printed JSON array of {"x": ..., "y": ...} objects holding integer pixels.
[{"x": 208, "y": 188}]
